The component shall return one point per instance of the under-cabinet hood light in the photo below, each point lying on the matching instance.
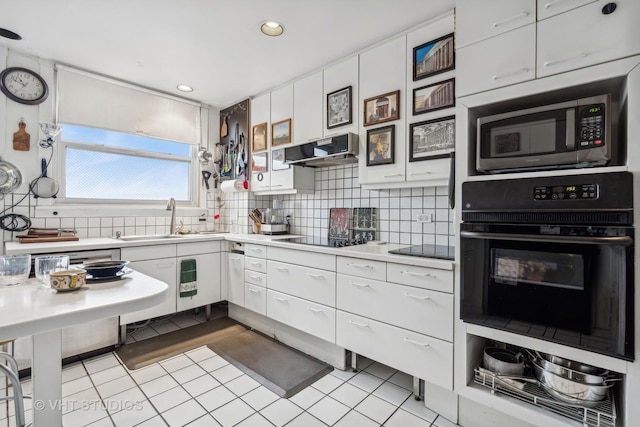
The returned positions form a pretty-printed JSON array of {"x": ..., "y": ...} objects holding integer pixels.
[
  {"x": 9, "y": 34},
  {"x": 272, "y": 28},
  {"x": 184, "y": 88}
]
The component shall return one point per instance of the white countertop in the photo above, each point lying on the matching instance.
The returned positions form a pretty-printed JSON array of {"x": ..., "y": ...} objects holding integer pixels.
[{"x": 32, "y": 308}]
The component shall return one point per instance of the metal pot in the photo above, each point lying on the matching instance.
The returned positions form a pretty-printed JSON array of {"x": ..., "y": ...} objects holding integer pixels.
[
  {"x": 597, "y": 376},
  {"x": 502, "y": 361},
  {"x": 570, "y": 391},
  {"x": 575, "y": 366},
  {"x": 10, "y": 177}
]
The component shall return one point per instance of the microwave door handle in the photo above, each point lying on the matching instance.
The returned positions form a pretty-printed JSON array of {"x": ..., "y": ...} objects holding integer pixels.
[
  {"x": 571, "y": 129},
  {"x": 584, "y": 240}
]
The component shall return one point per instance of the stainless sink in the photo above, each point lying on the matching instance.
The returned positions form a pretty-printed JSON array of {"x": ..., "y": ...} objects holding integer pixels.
[{"x": 148, "y": 237}]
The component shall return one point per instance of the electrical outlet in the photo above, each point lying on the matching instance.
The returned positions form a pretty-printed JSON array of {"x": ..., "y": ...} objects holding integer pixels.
[{"x": 425, "y": 217}]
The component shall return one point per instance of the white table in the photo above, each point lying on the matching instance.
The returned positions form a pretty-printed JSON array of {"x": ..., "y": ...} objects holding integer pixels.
[{"x": 32, "y": 309}]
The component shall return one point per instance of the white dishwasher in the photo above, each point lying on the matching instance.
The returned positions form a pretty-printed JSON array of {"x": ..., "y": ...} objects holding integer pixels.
[{"x": 82, "y": 338}]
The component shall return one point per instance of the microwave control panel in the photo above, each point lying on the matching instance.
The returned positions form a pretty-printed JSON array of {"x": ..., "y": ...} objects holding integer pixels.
[
  {"x": 591, "y": 122},
  {"x": 566, "y": 192}
]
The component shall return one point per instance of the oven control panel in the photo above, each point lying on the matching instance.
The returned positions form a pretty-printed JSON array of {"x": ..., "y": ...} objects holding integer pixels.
[{"x": 566, "y": 192}]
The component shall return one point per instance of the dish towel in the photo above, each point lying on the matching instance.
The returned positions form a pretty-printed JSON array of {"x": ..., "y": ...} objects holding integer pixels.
[{"x": 188, "y": 278}]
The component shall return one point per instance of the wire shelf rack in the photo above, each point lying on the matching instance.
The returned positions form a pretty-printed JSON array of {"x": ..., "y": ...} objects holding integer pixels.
[{"x": 602, "y": 415}]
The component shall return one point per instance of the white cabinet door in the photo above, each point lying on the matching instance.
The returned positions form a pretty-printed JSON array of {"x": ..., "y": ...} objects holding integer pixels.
[
  {"x": 500, "y": 61},
  {"x": 255, "y": 298},
  {"x": 549, "y": 8},
  {"x": 336, "y": 77},
  {"x": 585, "y": 36},
  {"x": 235, "y": 277},
  {"x": 261, "y": 113},
  {"x": 281, "y": 104},
  {"x": 382, "y": 71},
  {"x": 164, "y": 270},
  {"x": 315, "y": 319},
  {"x": 479, "y": 20},
  {"x": 307, "y": 108},
  {"x": 282, "y": 180},
  {"x": 208, "y": 281}
]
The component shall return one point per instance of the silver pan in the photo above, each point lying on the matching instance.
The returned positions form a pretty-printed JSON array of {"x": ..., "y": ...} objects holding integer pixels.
[{"x": 10, "y": 177}]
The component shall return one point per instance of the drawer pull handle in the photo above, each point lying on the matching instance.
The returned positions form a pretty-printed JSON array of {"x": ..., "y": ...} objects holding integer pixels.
[
  {"x": 164, "y": 265},
  {"x": 281, "y": 299},
  {"x": 360, "y": 285},
  {"x": 277, "y": 185},
  {"x": 255, "y": 291},
  {"x": 255, "y": 263},
  {"x": 551, "y": 3},
  {"x": 282, "y": 269},
  {"x": 315, "y": 310},
  {"x": 362, "y": 325},
  {"x": 420, "y": 173},
  {"x": 235, "y": 259},
  {"x": 255, "y": 249},
  {"x": 315, "y": 276},
  {"x": 502, "y": 76},
  {"x": 393, "y": 176},
  {"x": 418, "y": 274},
  {"x": 407, "y": 294},
  {"x": 360, "y": 265},
  {"x": 416, "y": 342},
  {"x": 258, "y": 278},
  {"x": 504, "y": 21},
  {"x": 571, "y": 58}
]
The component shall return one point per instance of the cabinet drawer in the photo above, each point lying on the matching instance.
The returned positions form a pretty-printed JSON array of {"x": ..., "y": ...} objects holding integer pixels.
[
  {"x": 304, "y": 282},
  {"x": 198, "y": 248},
  {"x": 255, "y": 298},
  {"x": 301, "y": 257},
  {"x": 315, "y": 319},
  {"x": 499, "y": 61},
  {"x": 255, "y": 278},
  {"x": 255, "y": 264},
  {"x": 427, "y": 358},
  {"x": 560, "y": 49},
  {"x": 423, "y": 311},
  {"x": 549, "y": 8},
  {"x": 431, "y": 170},
  {"x": 362, "y": 268},
  {"x": 140, "y": 253},
  {"x": 256, "y": 251},
  {"x": 421, "y": 277}
]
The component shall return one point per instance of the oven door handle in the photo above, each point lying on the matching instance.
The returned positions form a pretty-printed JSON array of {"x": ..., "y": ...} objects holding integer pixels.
[{"x": 583, "y": 240}]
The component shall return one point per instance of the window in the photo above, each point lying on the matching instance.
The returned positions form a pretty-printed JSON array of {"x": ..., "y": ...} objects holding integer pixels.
[{"x": 116, "y": 167}]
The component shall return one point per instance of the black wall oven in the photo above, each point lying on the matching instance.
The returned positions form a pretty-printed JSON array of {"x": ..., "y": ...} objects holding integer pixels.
[{"x": 551, "y": 258}]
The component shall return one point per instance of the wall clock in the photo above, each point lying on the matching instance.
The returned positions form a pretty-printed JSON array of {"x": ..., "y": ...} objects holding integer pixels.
[{"x": 23, "y": 86}]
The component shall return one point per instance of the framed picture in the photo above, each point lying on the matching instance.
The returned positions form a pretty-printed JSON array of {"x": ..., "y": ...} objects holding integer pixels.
[
  {"x": 259, "y": 141},
  {"x": 380, "y": 145},
  {"x": 339, "y": 108},
  {"x": 281, "y": 132},
  {"x": 434, "y": 97},
  {"x": 433, "y": 57},
  {"x": 382, "y": 108},
  {"x": 339, "y": 225},
  {"x": 259, "y": 162},
  {"x": 277, "y": 160},
  {"x": 431, "y": 139}
]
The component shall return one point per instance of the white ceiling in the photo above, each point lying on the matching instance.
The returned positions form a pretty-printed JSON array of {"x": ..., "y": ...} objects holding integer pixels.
[{"x": 213, "y": 45}]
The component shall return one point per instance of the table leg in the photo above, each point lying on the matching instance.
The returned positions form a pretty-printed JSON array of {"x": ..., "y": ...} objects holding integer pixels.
[{"x": 47, "y": 379}]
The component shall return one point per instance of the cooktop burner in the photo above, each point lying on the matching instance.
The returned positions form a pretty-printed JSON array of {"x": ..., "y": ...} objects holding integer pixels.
[{"x": 426, "y": 251}]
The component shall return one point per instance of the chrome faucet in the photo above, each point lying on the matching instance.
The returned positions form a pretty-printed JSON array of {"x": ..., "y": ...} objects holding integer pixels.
[{"x": 171, "y": 206}]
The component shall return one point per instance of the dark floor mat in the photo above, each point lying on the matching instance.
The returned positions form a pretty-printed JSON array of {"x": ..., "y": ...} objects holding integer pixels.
[{"x": 280, "y": 368}]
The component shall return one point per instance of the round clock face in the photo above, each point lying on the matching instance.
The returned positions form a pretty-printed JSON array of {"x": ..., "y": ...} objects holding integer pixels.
[{"x": 24, "y": 86}]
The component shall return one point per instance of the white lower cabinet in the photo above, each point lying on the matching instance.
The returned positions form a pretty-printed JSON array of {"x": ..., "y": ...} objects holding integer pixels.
[
  {"x": 304, "y": 282},
  {"x": 235, "y": 277},
  {"x": 208, "y": 281},
  {"x": 255, "y": 298},
  {"x": 418, "y": 355},
  {"x": 315, "y": 319}
]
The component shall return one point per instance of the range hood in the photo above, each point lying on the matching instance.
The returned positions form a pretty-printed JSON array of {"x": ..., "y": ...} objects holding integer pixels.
[{"x": 330, "y": 151}]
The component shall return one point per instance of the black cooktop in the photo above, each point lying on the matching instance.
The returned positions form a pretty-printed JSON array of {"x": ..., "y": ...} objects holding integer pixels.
[{"x": 427, "y": 251}]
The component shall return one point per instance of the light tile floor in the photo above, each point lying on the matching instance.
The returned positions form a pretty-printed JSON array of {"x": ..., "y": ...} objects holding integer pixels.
[{"x": 200, "y": 388}]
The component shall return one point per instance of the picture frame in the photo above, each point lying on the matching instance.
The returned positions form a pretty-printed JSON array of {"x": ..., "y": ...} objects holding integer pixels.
[
  {"x": 339, "y": 108},
  {"x": 278, "y": 161},
  {"x": 281, "y": 132},
  {"x": 431, "y": 139},
  {"x": 260, "y": 162},
  {"x": 382, "y": 108},
  {"x": 259, "y": 137},
  {"x": 424, "y": 57},
  {"x": 381, "y": 145},
  {"x": 434, "y": 97}
]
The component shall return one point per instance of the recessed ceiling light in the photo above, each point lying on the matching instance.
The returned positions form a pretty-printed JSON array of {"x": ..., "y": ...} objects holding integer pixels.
[
  {"x": 9, "y": 34},
  {"x": 184, "y": 88},
  {"x": 272, "y": 28}
]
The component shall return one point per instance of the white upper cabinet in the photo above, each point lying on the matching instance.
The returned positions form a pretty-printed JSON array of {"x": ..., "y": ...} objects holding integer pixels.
[
  {"x": 548, "y": 8},
  {"x": 307, "y": 108},
  {"x": 588, "y": 35},
  {"x": 261, "y": 113},
  {"x": 337, "y": 77},
  {"x": 281, "y": 105},
  {"x": 382, "y": 70},
  {"x": 479, "y": 20}
]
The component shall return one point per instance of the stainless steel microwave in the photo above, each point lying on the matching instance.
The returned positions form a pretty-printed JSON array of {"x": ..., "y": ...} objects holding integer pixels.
[{"x": 565, "y": 135}]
